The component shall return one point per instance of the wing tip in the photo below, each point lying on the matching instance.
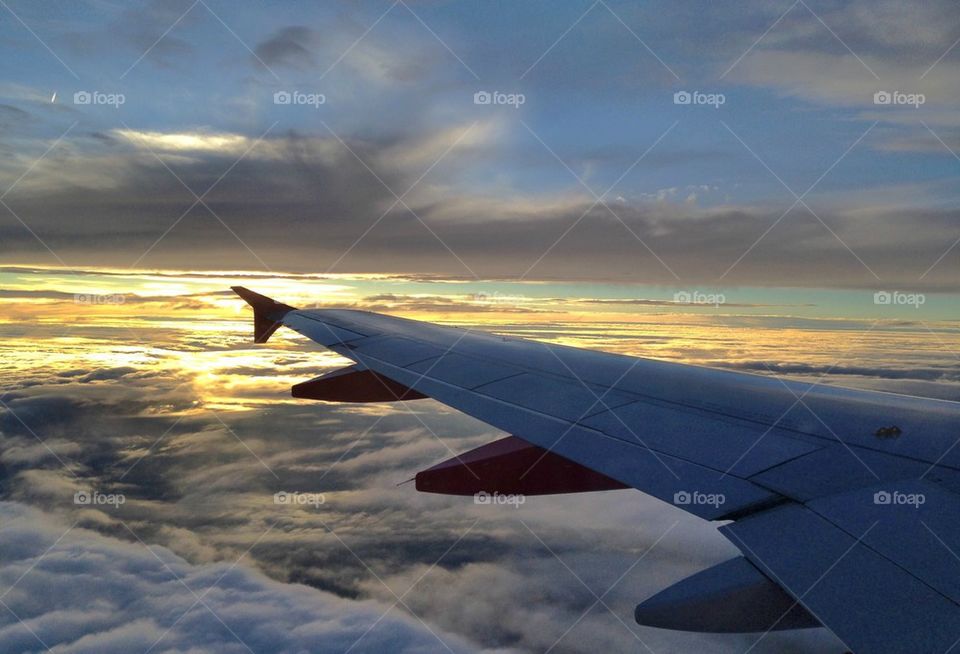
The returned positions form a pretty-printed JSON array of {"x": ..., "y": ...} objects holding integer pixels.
[{"x": 267, "y": 312}]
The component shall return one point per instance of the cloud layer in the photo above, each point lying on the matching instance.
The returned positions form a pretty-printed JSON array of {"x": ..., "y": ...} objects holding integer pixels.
[
  {"x": 195, "y": 427},
  {"x": 70, "y": 590}
]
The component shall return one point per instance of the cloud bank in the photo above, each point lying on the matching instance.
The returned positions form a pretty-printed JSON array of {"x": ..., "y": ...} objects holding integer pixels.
[{"x": 71, "y": 590}]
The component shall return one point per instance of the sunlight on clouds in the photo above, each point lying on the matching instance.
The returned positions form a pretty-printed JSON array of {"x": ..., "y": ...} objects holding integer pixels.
[
  {"x": 186, "y": 141},
  {"x": 190, "y": 325},
  {"x": 431, "y": 148}
]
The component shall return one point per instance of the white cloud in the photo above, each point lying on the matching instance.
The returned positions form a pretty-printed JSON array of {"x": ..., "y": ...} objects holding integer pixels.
[
  {"x": 186, "y": 141},
  {"x": 89, "y": 593}
]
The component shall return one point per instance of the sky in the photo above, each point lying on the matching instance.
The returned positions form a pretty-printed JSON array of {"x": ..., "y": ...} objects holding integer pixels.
[{"x": 765, "y": 187}]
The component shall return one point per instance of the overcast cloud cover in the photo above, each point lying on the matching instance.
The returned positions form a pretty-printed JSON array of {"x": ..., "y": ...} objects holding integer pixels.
[{"x": 598, "y": 191}]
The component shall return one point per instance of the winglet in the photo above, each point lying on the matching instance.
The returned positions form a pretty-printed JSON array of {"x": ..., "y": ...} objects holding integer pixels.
[{"x": 267, "y": 313}]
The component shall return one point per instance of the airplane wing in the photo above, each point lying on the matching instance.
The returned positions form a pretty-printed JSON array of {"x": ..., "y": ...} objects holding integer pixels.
[{"x": 844, "y": 503}]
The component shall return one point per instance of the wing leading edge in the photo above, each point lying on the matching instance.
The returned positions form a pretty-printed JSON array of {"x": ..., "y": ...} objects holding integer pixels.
[{"x": 775, "y": 456}]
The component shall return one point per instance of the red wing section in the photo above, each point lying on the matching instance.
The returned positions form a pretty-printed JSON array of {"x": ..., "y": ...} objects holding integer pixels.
[{"x": 512, "y": 466}]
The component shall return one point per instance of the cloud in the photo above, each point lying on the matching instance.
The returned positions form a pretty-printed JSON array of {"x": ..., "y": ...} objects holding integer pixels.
[
  {"x": 663, "y": 303},
  {"x": 198, "y": 475},
  {"x": 221, "y": 144},
  {"x": 146, "y": 32},
  {"x": 11, "y": 116},
  {"x": 841, "y": 54},
  {"x": 476, "y": 303},
  {"x": 73, "y": 590},
  {"x": 289, "y": 46},
  {"x": 327, "y": 209},
  {"x": 497, "y": 201},
  {"x": 945, "y": 373}
]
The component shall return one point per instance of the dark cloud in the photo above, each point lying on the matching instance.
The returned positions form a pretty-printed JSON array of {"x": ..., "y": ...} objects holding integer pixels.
[
  {"x": 11, "y": 116},
  {"x": 290, "y": 46},
  {"x": 307, "y": 201},
  {"x": 147, "y": 31}
]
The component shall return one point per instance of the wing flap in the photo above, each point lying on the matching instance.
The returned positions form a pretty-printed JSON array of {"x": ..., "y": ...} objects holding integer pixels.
[
  {"x": 914, "y": 525},
  {"x": 872, "y": 604}
]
